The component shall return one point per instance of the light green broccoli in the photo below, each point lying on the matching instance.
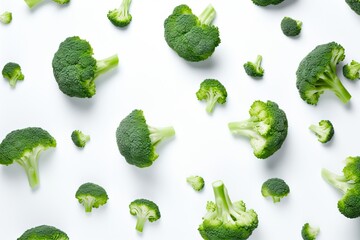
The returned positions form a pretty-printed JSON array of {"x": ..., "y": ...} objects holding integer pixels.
[
  {"x": 43, "y": 232},
  {"x": 196, "y": 182},
  {"x": 121, "y": 17},
  {"x": 79, "y": 138},
  {"x": 352, "y": 70},
  {"x": 33, "y": 3},
  {"x": 291, "y": 27},
  {"x": 254, "y": 69},
  {"x": 213, "y": 92},
  {"x": 91, "y": 196},
  {"x": 309, "y": 233},
  {"x": 6, "y": 17},
  {"x": 324, "y": 131},
  {"x": 144, "y": 210},
  {"x": 12, "y": 72},
  {"x": 275, "y": 188}
]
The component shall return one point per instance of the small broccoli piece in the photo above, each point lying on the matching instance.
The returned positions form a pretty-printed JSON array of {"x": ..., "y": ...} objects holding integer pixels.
[
  {"x": 324, "y": 131},
  {"x": 76, "y": 70},
  {"x": 43, "y": 232},
  {"x": 196, "y": 182},
  {"x": 91, "y": 196},
  {"x": 79, "y": 138},
  {"x": 226, "y": 220},
  {"x": 275, "y": 188},
  {"x": 121, "y": 17},
  {"x": 212, "y": 91},
  {"x": 144, "y": 210},
  {"x": 192, "y": 38},
  {"x": 266, "y": 128},
  {"x": 349, "y": 184},
  {"x": 354, "y": 5},
  {"x": 317, "y": 73},
  {"x": 6, "y": 17},
  {"x": 264, "y": 3},
  {"x": 12, "y": 72},
  {"x": 137, "y": 141},
  {"x": 254, "y": 69},
  {"x": 33, "y": 3},
  {"x": 291, "y": 27},
  {"x": 24, "y": 146},
  {"x": 308, "y": 232},
  {"x": 352, "y": 70}
]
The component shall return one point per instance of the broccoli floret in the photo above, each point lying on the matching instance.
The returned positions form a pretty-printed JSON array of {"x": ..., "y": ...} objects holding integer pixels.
[
  {"x": 43, "y": 232},
  {"x": 267, "y": 2},
  {"x": 352, "y": 70},
  {"x": 12, "y": 72},
  {"x": 212, "y": 91},
  {"x": 226, "y": 220},
  {"x": 6, "y": 17},
  {"x": 79, "y": 138},
  {"x": 121, "y": 17},
  {"x": 196, "y": 182},
  {"x": 75, "y": 69},
  {"x": 354, "y": 5},
  {"x": 24, "y": 146},
  {"x": 137, "y": 141},
  {"x": 266, "y": 128},
  {"x": 275, "y": 188},
  {"x": 317, "y": 73},
  {"x": 324, "y": 131},
  {"x": 192, "y": 38},
  {"x": 254, "y": 69},
  {"x": 291, "y": 27},
  {"x": 144, "y": 210},
  {"x": 91, "y": 196},
  {"x": 33, "y": 3},
  {"x": 308, "y": 232},
  {"x": 349, "y": 184}
]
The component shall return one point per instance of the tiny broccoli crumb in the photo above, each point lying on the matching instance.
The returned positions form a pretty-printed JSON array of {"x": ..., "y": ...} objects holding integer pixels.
[{"x": 196, "y": 182}]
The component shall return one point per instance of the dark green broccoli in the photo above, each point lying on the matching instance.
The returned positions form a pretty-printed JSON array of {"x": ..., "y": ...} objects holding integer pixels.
[
  {"x": 352, "y": 70},
  {"x": 324, "y": 131},
  {"x": 308, "y": 232},
  {"x": 349, "y": 184},
  {"x": 12, "y": 72},
  {"x": 120, "y": 17},
  {"x": 91, "y": 196},
  {"x": 144, "y": 210},
  {"x": 226, "y": 220},
  {"x": 196, "y": 182},
  {"x": 275, "y": 188},
  {"x": 291, "y": 27},
  {"x": 192, "y": 38},
  {"x": 33, "y": 3},
  {"x": 79, "y": 138},
  {"x": 266, "y": 2},
  {"x": 317, "y": 73},
  {"x": 212, "y": 91},
  {"x": 267, "y": 128},
  {"x": 137, "y": 141},
  {"x": 43, "y": 232},
  {"x": 24, "y": 146},
  {"x": 6, "y": 17},
  {"x": 354, "y": 5},
  {"x": 254, "y": 69},
  {"x": 75, "y": 69}
]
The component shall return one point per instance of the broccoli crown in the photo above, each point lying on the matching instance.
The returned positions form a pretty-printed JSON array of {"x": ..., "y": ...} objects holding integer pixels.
[
  {"x": 196, "y": 182},
  {"x": 254, "y": 69},
  {"x": 266, "y": 2},
  {"x": 6, "y": 17},
  {"x": 317, "y": 73},
  {"x": 24, "y": 147},
  {"x": 75, "y": 69},
  {"x": 226, "y": 220},
  {"x": 291, "y": 27},
  {"x": 212, "y": 91},
  {"x": 79, "y": 138},
  {"x": 354, "y": 5},
  {"x": 137, "y": 141},
  {"x": 308, "y": 232},
  {"x": 43, "y": 232},
  {"x": 12, "y": 72},
  {"x": 266, "y": 128},
  {"x": 352, "y": 70},
  {"x": 144, "y": 210},
  {"x": 275, "y": 188},
  {"x": 192, "y": 38},
  {"x": 91, "y": 195},
  {"x": 324, "y": 131},
  {"x": 33, "y": 3},
  {"x": 120, "y": 17}
]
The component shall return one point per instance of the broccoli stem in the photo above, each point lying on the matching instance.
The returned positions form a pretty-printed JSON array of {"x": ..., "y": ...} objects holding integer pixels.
[
  {"x": 244, "y": 128},
  {"x": 258, "y": 62},
  {"x": 208, "y": 15},
  {"x": 88, "y": 203},
  {"x": 319, "y": 131},
  {"x": 106, "y": 64},
  {"x": 15, "y": 78},
  {"x": 222, "y": 200},
  {"x": 211, "y": 100},
  {"x": 140, "y": 222},
  {"x": 32, "y": 3},
  {"x": 337, "y": 181},
  {"x": 157, "y": 135},
  {"x": 124, "y": 8}
]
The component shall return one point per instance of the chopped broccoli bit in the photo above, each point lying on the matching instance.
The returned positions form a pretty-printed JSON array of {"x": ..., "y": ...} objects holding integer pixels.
[
  {"x": 121, "y": 17},
  {"x": 12, "y": 72},
  {"x": 144, "y": 210},
  {"x": 324, "y": 131},
  {"x": 79, "y": 138},
  {"x": 291, "y": 27},
  {"x": 264, "y": 3},
  {"x": 196, "y": 182},
  {"x": 254, "y": 69},
  {"x": 6, "y": 17},
  {"x": 275, "y": 188},
  {"x": 354, "y": 5},
  {"x": 212, "y": 91},
  {"x": 33, "y": 3},
  {"x": 308, "y": 232},
  {"x": 91, "y": 196},
  {"x": 352, "y": 70},
  {"x": 43, "y": 232}
]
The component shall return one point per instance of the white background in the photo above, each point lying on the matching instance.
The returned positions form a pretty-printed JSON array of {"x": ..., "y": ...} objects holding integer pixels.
[{"x": 153, "y": 78}]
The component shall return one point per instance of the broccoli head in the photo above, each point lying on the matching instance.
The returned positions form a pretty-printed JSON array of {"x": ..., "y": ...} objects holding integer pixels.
[
  {"x": 267, "y": 128},
  {"x": 43, "y": 232},
  {"x": 121, "y": 17},
  {"x": 352, "y": 70},
  {"x": 354, "y": 5},
  {"x": 12, "y": 72},
  {"x": 192, "y": 38},
  {"x": 144, "y": 210},
  {"x": 308, "y": 232},
  {"x": 317, "y": 73},
  {"x": 75, "y": 69},
  {"x": 264, "y": 3},
  {"x": 91, "y": 196},
  {"x": 291, "y": 27},
  {"x": 79, "y": 138},
  {"x": 254, "y": 69},
  {"x": 33, "y": 3},
  {"x": 324, "y": 131},
  {"x": 212, "y": 91},
  {"x": 196, "y": 182},
  {"x": 137, "y": 141},
  {"x": 6, "y": 17},
  {"x": 24, "y": 146},
  {"x": 275, "y": 188},
  {"x": 226, "y": 220}
]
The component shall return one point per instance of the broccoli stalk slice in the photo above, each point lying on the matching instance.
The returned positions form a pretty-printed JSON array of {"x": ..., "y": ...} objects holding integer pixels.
[
  {"x": 32, "y": 3},
  {"x": 6, "y": 17},
  {"x": 337, "y": 181},
  {"x": 208, "y": 15},
  {"x": 157, "y": 135},
  {"x": 212, "y": 97},
  {"x": 106, "y": 64}
]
